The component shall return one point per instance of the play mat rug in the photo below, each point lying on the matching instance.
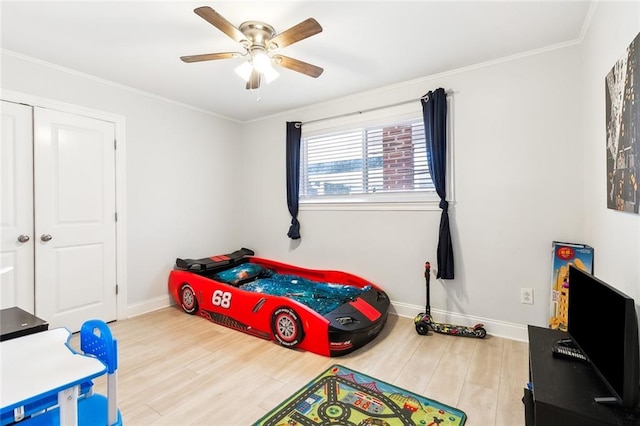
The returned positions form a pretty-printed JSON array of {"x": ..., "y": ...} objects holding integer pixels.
[{"x": 341, "y": 396}]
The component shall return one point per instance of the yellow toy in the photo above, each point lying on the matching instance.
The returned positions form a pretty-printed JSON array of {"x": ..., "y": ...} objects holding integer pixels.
[{"x": 564, "y": 254}]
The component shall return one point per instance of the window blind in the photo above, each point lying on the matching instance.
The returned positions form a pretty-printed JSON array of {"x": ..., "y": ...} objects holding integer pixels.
[{"x": 377, "y": 159}]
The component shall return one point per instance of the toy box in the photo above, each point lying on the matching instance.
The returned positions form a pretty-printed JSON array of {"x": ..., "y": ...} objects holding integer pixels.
[{"x": 565, "y": 254}]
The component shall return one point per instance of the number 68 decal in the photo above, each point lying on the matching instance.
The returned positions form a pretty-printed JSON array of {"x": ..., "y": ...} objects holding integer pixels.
[{"x": 221, "y": 298}]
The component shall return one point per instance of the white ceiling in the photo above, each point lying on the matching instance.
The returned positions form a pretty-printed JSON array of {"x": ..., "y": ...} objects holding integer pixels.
[{"x": 364, "y": 45}]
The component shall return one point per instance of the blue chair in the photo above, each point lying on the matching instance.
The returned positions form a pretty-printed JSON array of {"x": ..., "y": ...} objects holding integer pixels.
[
  {"x": 96, "y": 339},
  {"x": 93, "y": 409}
]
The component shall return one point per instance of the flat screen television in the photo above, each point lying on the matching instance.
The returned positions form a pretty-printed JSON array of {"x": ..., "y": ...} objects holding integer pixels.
[{"x": 603, "y": 324}]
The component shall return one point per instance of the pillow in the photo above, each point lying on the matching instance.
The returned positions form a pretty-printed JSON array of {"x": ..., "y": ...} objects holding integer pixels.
[{"x": 239, "y": 274}]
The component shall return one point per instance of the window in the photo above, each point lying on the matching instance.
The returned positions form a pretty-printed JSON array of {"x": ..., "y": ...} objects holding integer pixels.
[{"x": 373, "y": 163}]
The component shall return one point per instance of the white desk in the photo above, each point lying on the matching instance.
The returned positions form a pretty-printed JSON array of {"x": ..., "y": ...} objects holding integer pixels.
[{"x": 43, "y": 364}]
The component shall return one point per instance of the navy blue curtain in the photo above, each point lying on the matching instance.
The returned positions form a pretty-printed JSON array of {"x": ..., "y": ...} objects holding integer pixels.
[
  {"x": 294, "y": 131},
  {"x": 434, "y": 113}
]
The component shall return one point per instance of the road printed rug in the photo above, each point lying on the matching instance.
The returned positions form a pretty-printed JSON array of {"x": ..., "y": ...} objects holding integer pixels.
[{"x": 341, "y": 396}]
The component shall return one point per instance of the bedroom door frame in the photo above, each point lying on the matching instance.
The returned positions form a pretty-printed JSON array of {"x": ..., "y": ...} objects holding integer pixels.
[{"x": 120, "y": 163}]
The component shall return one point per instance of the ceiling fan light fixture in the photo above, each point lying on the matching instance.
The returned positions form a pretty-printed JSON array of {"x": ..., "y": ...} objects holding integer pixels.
[
  {"x": 244, "y": 70},
  {"x": 262, "y": 64},
  {"x": 270, "y": 74},
  {"x": 261, "y": 61}
]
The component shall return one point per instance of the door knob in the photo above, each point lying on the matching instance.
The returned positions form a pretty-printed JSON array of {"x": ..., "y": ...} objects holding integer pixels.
[
  {"x": 23, "y": 238},
  {"x": 46, "y": 237}
]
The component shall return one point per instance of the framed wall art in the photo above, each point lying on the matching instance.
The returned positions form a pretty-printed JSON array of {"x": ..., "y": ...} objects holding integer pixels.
[{"x": 622, "y": 97}]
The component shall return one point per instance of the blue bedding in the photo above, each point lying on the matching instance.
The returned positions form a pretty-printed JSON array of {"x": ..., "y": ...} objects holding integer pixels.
[{"x": 320, "y": 296}]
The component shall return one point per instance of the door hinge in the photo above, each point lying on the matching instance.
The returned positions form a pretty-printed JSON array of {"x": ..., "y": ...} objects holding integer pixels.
[
  {"x": 115, "y": 144},
  {"x": 116, "y": 216},
  {"x": 117, "y": 289}
]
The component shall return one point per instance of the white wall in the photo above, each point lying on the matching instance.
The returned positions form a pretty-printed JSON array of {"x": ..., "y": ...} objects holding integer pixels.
[
  {"x": 517, "y": 188},
  {"x": 180, "y": 173},
  {"x": 615, "y": 235}
]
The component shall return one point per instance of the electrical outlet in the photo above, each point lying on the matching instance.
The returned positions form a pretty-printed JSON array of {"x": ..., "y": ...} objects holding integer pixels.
[{"x": 526, "y": 296}]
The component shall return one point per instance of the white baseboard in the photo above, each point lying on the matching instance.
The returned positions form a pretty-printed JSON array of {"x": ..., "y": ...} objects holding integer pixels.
[
  {"x": 149, "y": 306},
  {"x": 493, "y": 327}
]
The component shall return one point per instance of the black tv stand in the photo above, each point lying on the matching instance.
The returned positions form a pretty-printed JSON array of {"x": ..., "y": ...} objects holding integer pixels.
[{"x": 565, "y": 390}]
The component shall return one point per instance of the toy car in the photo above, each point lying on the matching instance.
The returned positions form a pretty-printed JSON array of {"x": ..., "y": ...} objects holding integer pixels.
[{"x": 330, "y": 313}]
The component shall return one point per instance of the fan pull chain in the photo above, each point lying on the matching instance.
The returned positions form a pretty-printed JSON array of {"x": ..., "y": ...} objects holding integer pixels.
[{"x": 258, "y": 98}]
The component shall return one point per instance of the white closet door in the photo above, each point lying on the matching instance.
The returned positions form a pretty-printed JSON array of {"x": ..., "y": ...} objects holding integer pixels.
[
  {"x": 75, "y": 228},
  {"x": 16, "y": 208}
]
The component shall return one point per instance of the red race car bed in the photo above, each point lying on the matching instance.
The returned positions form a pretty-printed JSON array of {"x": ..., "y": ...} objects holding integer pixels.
[{"x": 330, "y": 313}]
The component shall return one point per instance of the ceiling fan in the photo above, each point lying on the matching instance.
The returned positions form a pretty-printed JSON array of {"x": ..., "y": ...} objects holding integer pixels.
[{"x": 260, "y": 43}]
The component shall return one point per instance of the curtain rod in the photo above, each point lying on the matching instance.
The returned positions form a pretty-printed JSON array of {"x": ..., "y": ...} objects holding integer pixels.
[{"x": 448, "y": 93}]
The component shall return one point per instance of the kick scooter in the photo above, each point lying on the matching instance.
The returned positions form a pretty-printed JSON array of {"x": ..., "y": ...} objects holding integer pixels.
[{"x": 424, "y": 321}]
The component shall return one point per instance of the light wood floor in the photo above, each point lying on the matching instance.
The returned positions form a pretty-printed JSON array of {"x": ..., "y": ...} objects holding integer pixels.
[{"x": 177, "y": 369}]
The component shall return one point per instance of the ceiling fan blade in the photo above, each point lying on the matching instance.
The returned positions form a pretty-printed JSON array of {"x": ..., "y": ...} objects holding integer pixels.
[
  {"x": 210, "y": 56},
  {"x": 298, "y": 66},
  {"x": 218, "y": 21},
  {"x": 296, "y": 33},
  {"x": 254, "y": 80}
]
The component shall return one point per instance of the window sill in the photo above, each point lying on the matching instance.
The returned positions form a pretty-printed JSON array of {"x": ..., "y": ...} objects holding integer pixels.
[{"x": 369, "y": 205}]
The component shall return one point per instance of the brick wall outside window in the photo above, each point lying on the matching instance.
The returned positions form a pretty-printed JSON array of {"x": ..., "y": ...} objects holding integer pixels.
[{"x": 397, "y": 158}]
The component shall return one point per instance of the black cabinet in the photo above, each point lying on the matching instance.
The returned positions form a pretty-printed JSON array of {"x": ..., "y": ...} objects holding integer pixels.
[
  {"x": 14, "y": 322},
  {"x": 564, "y": 389}
]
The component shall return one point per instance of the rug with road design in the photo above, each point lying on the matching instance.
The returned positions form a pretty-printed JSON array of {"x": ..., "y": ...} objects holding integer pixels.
[{"x": 341, "y": 396}]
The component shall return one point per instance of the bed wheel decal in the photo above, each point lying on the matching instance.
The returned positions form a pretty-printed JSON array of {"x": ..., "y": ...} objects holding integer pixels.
[
  {"x": 188, "y": 300},
  {"x": 287, "y": 327}
]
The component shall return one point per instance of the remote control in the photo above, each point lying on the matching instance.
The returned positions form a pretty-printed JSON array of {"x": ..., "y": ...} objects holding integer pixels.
[{"x": 568, "y": 352}]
